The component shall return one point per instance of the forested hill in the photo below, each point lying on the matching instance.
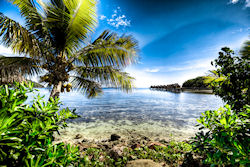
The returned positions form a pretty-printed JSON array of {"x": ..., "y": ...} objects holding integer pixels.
[{"x": 197, "y": 82}]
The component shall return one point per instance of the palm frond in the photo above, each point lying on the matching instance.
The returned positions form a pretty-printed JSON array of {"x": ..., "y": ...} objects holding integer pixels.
[
  {"x": 107, "y": 75},
  {"x": 214, "y": 77},
  {"x": 109, "y": 50},
  {"x": 88, "y": 87},
  {"x": 33, "y": 18},
  {"x": 20, "y": 65},
  {"x": 18, "y": 38},
  {"x": 70, "y": 21}
]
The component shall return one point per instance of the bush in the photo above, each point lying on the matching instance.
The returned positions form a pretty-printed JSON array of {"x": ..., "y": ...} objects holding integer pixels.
[
  {"x": 226, "y": 142},
  {"x": 26, "y": 131}
]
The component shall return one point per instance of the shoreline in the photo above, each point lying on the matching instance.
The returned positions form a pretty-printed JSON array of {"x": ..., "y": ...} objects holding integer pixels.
[
  {"x": 201, "y": 91},
  {"x": 101, "y": 131},
  {"x": 131, "y": 148}
]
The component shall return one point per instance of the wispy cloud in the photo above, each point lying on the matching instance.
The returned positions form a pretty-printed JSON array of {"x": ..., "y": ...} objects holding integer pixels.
[
  {"x": 247, "y": 2},
  {"x": 117, "y": 19},
  {"x": 199, "y": 64},
  {"x": 152, "y": 70}
]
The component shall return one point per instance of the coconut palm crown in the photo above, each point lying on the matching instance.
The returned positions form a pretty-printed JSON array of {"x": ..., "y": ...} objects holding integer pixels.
[{"x": 55, "y": 44}]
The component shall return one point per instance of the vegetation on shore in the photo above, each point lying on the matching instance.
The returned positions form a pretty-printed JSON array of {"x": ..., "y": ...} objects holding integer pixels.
[
  {"x": 225, "y": 141},
  {"x": 196, "y": 83}
]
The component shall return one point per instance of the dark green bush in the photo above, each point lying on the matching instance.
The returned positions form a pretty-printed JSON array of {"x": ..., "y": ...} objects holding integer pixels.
[
  {"x": 26, "y": 131},
  {"x": 234, "y": 88}
]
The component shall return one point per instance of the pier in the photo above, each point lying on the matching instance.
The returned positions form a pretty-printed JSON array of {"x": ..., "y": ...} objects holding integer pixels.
[{"x": 176, "y": 88}]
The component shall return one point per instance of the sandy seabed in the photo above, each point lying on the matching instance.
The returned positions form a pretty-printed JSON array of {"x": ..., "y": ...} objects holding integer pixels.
[{"x": 100, "y": 130}]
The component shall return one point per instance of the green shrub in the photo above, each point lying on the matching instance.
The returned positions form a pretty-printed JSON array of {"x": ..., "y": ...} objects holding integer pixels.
[
  {"x": 226, "y": 141},
  {"x": 26, "y": 131}
]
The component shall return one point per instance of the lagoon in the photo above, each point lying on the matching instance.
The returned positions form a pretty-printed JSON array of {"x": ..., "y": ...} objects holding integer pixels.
[{"x": 155, "y": 114}]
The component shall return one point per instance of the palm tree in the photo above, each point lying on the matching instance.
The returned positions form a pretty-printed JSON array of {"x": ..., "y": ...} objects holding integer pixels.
[{"x": 55, "y": 43}]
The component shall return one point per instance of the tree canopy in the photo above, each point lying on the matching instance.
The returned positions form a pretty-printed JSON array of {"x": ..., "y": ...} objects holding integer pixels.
[{"x": 197, "y": 82}]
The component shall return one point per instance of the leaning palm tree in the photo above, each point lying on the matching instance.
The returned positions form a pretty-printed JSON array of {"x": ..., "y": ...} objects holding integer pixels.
[{"x": 55, "y": 44}]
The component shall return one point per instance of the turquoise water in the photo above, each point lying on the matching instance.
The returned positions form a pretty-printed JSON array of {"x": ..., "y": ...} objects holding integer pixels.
[{"x": 142, "y": 105}]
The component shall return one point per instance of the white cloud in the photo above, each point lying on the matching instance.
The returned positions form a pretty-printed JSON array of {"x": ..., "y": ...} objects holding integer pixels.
[
  {"x": 152, "y": 70},
  {"x": 247, "y": 3},
  {"x": 117, "y": 19},
  {"x": 234, "y": 1},
  {"x": 102, "y": 17}
]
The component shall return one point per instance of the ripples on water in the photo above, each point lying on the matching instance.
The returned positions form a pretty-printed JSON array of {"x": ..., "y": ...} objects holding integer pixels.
[{"x": 142, "y": 105}]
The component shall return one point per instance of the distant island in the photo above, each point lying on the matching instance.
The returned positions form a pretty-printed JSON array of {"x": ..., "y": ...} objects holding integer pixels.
[{"x": 195, "y": 85}]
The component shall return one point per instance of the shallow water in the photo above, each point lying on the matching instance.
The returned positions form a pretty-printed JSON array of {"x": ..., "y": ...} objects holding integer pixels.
[{"x": 151, "y": 112}]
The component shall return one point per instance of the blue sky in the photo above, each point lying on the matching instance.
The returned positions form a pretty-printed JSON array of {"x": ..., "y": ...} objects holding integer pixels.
[{"x": 178, "y": 38}]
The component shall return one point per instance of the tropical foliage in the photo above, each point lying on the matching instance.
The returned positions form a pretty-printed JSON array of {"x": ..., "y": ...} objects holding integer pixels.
[
  {"x": 26, "y": 131},
  {"x": 55, "y": 44},
  {"x": 232, "y": 78},
  {"x": 225, "y": 141}
]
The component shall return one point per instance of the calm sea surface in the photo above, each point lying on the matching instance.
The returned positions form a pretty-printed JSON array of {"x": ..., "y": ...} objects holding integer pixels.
[{"x": 141, "y": 105}]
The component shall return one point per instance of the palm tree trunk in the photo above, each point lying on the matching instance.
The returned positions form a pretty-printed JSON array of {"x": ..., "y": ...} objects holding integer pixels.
[{"x": 56, "y": 90}]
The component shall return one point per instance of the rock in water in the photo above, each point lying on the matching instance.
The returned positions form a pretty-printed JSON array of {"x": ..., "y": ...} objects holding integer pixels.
[
  {"x": 78, "y": 136},
  {"x": 143, "y": 163},
  {"x": 114, "y": 137}
]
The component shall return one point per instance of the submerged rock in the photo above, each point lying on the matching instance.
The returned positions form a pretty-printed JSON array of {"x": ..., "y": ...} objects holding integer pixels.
[
  {"x": 114, "y": 137},
  {"x": 143, "y": 163},
  {"x": 84, "y": 146},
  {"x": 78, "y": 136},
  {"x": 136, "y": 145}
]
